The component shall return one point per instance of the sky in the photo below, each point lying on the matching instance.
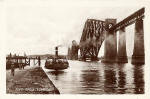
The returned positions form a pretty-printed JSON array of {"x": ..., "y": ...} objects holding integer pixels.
[{"x": 36, "y": 28}]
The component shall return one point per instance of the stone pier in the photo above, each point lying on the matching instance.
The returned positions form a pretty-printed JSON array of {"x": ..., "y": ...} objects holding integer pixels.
[
  {"x": 138, "y": 56},
  {"x": 122, "y": 55},
  {"x": 110, "y": 47},
  {"x": 73, "y": 51}
]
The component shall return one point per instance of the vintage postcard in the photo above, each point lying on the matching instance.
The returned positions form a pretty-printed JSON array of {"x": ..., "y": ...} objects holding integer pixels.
[{"x": 77, "y": 47}]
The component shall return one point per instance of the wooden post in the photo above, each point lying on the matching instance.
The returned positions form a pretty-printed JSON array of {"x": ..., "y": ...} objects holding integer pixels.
[{"x": 29, "y": 61}]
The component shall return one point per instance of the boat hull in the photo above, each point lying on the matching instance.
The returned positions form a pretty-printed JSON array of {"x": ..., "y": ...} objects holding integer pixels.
[{"x": 57, "y": 66}]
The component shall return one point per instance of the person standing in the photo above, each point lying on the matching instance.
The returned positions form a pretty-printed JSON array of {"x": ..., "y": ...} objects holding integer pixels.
[{"x": 12, "y": 68}]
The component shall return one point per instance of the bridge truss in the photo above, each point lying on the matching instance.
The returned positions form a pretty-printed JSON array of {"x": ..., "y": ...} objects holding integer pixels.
[
  {"x": 95, "y": 31},
  {"x": 91, "y": 39}
]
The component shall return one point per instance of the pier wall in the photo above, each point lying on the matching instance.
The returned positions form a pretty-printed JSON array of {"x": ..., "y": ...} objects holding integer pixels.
[{"x": 31, "y": 80}]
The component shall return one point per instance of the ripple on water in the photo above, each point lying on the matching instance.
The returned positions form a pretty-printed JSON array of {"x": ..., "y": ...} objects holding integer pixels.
[{"x": 99, "y": 78}]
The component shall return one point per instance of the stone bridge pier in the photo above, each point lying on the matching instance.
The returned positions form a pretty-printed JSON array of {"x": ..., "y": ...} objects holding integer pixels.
[
  {"x": 138, "y": 56},
  {"x": 122, "y": 55},
  {"x": 110, "y": 46}
]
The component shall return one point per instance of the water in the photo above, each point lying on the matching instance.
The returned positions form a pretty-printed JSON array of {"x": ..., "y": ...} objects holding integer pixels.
[{"x": 98, "y": 78}]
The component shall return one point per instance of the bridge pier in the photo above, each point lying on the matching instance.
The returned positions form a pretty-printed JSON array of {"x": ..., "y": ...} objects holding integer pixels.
[
  {"x": 110, "y": 47},
  {"x": 73, "y": 51},
  {"x": 138, "y": 56},
  {"x": 69, "y": 53},
  {"x": 122, "y": 55}
]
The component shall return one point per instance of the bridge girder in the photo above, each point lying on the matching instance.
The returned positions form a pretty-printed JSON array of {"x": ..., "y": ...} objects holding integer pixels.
[
  {"x": 95, "y": 31},
  {"x": 129, "y": 20},
  {"x": 91, "y": 39}
]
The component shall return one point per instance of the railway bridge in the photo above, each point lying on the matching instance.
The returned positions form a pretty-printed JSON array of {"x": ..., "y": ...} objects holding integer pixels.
[{"x": 95, "y": 32}]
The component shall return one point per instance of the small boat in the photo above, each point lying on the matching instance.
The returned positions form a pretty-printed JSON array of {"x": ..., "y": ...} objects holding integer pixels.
[{"x": 56, "y": 63}]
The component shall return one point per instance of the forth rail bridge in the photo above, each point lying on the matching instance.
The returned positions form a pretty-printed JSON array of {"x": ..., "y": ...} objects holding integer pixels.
[
  {"x": 95, "y": 32},
  {"x": 113, "y": 75}
]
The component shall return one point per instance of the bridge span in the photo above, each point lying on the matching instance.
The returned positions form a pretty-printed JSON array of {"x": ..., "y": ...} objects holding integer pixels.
[{"x": 95, "y": 32}]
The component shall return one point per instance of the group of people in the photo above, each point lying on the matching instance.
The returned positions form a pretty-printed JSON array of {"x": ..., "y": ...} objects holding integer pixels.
[{"x": 21, "y": 66}]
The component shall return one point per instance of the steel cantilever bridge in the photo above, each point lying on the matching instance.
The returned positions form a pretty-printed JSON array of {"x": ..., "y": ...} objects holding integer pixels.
[{"x": 95, "y": 32}]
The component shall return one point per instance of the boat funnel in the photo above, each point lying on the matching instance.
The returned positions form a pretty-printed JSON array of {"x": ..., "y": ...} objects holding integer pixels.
[{"x": 56, "y": 51}]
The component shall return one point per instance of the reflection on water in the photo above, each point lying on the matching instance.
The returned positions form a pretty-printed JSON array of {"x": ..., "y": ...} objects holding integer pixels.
[
  {"x": 98, "y": 78},
  {"x": 56, "y": 74},
  {"x": 121, "y": 80},
  {"x": 138, "y": 79},
  {"x": 110, "y": 84}
]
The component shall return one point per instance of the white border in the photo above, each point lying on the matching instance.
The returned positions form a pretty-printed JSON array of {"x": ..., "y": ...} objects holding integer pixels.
[{"x": 113, "y": 3}]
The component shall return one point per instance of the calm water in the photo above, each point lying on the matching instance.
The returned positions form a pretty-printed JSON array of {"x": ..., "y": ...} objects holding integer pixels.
[{"x": 98, "y": 78}]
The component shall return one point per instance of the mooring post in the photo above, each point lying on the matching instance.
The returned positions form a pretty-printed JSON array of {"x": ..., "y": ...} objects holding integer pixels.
[
  {"x": 25, "y": 61},
  {"x": 122, "y": 54},
  {"x": 138, "y": 56},
  {"x": 34, "y": 61},
  {"x": 110, "y": 47},
  {"x": 29, "y": 61}
]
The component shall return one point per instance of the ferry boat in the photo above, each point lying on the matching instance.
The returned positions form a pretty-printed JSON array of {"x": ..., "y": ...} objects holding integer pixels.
[{"x": 56, "y": 62}]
